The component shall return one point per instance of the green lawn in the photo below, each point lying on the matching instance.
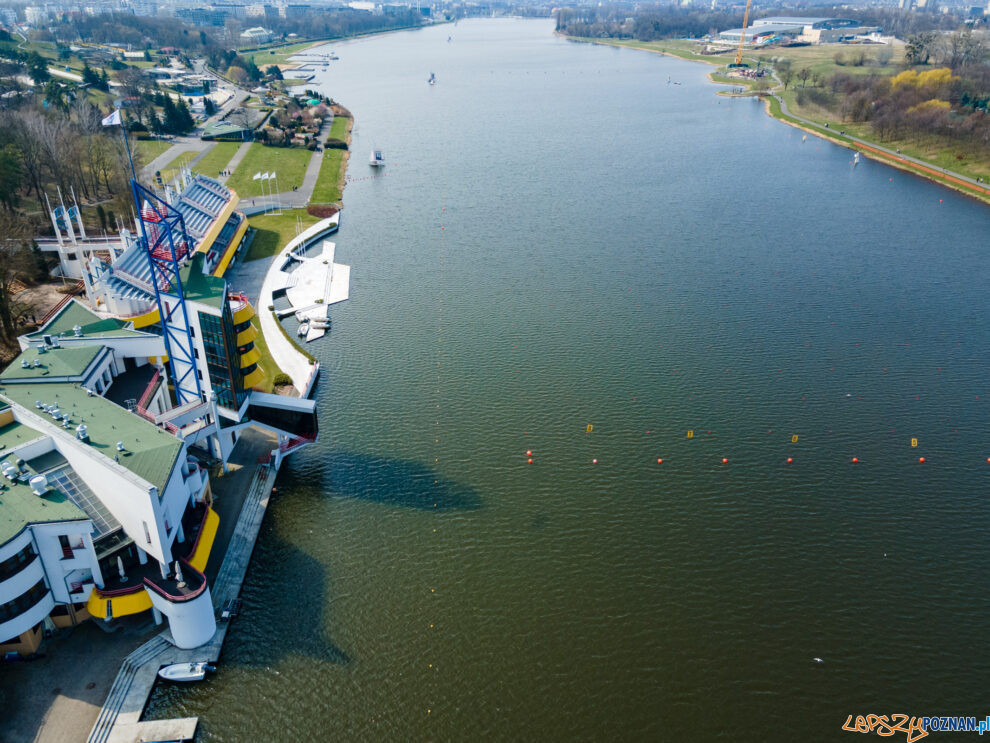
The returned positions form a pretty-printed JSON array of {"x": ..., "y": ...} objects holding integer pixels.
[
  {"x": 266, "y": 362},
  {"x": 266, "y": 57},
  {"x": 338, "y": 130},
  {"x": 148, "y": 149},
  {"x": 329, "y": 183},
  {"x": 217, "y": 158},
  {"x": 274, "y": 231},
  {"x": 288, "y": 163},
  {"x": 172, "y": 168}
]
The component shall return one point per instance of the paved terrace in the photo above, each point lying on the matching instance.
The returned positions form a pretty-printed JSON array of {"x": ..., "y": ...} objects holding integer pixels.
[
  {"x": 292, "y": 361},
  {"x": 119, "y": 720}
]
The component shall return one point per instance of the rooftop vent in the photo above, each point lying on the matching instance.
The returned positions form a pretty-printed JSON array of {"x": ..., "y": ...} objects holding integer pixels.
[
  {"x": 37, "y": 363},
  {"x": 24, "y": 364},
  {"x": 9, "y": 470},
  {"x": 77, "y": 331},
  {"x": 120, "y": 446},
  {"x": 39, "y": 484},
  {"x": 55, "y": 413},
  {"x": 39, "y": 404},
  {"x": 81, "y": 432},
  {"x": 42, "y": 349}
]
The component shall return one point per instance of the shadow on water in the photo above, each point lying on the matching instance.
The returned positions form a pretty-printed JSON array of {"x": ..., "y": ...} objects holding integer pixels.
[
  {"x": 394, "y": 482},
  {"x": 280, "y": 570}
]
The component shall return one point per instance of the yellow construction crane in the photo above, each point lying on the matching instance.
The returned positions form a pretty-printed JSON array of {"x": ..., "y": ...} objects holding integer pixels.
[{"x": 742, "y": 36}]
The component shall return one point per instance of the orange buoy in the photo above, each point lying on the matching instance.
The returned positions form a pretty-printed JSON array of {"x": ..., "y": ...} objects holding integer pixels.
[
  {"x": 659, "y": 461},
  {"x": 855, "y": 460},
  {"x": 594, "y": 461},
  {"x": 530, "y": 461},
  {"x": 790, "y": 460},
  {"x": 724, "y": 460},
  {"x": 529, "y": 453},
  {"x": 921, "y": 459}
]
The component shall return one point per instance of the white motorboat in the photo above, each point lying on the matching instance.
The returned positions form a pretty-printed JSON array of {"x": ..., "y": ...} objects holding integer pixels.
[
  {"x": 377, "y": 159},
  {"x": 185, "y": 671},
  {"x": 433, "y": 79},
  {"x": 303, "y": 329}
]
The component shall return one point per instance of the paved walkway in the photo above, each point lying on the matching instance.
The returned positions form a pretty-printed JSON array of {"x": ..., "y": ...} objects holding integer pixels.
[
  {"x": 181, "y": 144},
  {"x": 300, "y": 198},
  {"x": 119, "y": 720},
  {"x": 286, "y": 355},
  {"x": 235, "y": 160},
  {"x": 867, "y": 146}
]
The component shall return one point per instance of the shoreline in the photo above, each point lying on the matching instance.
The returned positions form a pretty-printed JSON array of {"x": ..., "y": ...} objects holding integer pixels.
[
  {"x": 350, "y": 37},
  {"x": 925, "y": 171}
]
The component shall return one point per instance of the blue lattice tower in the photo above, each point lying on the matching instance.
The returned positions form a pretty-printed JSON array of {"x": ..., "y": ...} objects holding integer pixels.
[{"x": 163, "y": 234}]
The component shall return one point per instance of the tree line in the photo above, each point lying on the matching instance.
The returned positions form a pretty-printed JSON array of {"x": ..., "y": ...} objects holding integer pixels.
[{"x": 651, "y": 23}]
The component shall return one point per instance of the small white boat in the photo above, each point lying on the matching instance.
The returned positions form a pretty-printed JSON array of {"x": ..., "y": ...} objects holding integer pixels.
[
  {"x": 185, "y": 671},
  {"x": 377, "y": 159},
  {"x": 433, "y": 79},
  {"x": 856, "y": 159},
  {"x": 320, "y": 324},
  {"x": 303, "y": 329}
]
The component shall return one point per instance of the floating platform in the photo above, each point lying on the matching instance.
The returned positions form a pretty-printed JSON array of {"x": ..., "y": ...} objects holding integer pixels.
[{"x": 312, "y": 286}]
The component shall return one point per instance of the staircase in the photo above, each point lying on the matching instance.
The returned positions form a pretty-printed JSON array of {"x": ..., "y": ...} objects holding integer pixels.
[{"x": 122, "y": 685}]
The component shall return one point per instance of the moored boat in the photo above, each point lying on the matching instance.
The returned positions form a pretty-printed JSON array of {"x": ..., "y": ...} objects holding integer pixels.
[
  {"x": 185, "y": 671},
  {"x": 377, "y": 159}
]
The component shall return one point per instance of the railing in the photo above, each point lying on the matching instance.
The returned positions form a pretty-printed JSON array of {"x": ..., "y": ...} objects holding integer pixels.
[
  {"x": 298, "y": 440},
  {"x": 150, "y": 390},
  {"x": 187, "y": 597},
  {"x": 139, "y": 313},
  {"x": 202, "y": 527},
  {"x": 55, "y": 310},
  {"x": 126, "y": 590},
  {"x": 141, "y": 283}
]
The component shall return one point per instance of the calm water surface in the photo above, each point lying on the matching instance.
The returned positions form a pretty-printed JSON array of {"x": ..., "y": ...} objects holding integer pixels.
[{"x": 561, "y": 239}]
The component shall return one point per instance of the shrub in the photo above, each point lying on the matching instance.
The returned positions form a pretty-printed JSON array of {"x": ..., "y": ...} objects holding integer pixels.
[
  {"x": 281, "y": 379},
  {"x": 321, "y": 210}
]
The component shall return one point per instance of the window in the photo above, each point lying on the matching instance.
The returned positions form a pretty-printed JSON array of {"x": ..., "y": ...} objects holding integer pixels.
[
  {"x": 23, "y": 602},
  {"x": 16, "y": 563}
]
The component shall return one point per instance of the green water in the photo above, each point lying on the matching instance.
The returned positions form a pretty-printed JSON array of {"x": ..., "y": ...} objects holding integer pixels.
[{"x": 561, "y": 239}]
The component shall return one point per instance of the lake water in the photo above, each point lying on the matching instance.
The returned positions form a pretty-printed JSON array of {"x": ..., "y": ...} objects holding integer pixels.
[{"x": 562, "y": 239}]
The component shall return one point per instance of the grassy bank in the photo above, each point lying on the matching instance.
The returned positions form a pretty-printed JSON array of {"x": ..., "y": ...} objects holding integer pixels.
[
  {"x": 148, "y": 149},
  {"x": 217, "y": 158},
  {"x": 329, "y": 187},
  {"x": 274, "y": 231},
  {"x": 938, "y": 154},
  {"x": 179, "y": 161},
  {"x": 288, "y": 163}
]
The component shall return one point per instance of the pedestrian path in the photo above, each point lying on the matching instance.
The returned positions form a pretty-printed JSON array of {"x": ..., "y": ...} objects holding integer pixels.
[
  {"x": 119, "y": 720},
  {"x": 235, "y": 161}
]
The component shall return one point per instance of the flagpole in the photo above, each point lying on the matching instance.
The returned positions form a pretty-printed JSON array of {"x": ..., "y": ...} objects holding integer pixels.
[{"x": 123, "y": 131}]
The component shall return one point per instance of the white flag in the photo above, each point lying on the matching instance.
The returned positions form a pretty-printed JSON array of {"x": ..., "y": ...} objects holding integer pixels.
[
  {"x": 264, "y": 176},
  {"x": 271, "y": 175},
  {"x": 256, "y": 176},
  {"x": 113, "y": 119}
]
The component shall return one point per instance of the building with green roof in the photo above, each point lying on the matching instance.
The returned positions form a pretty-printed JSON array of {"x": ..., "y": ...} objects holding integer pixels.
[{"x": 77, "y": 320}]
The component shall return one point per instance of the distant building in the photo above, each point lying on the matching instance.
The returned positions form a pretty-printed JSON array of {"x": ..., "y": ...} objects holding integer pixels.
[
  {"x": 202, "y": 16},
  {"x": 811, "y": 30},
  {"x": 261, "y": 10},
  {"x": 294, "y": 10},
  {"x": 35, "y": 16},
  {"x": 256, "y": 35}
]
